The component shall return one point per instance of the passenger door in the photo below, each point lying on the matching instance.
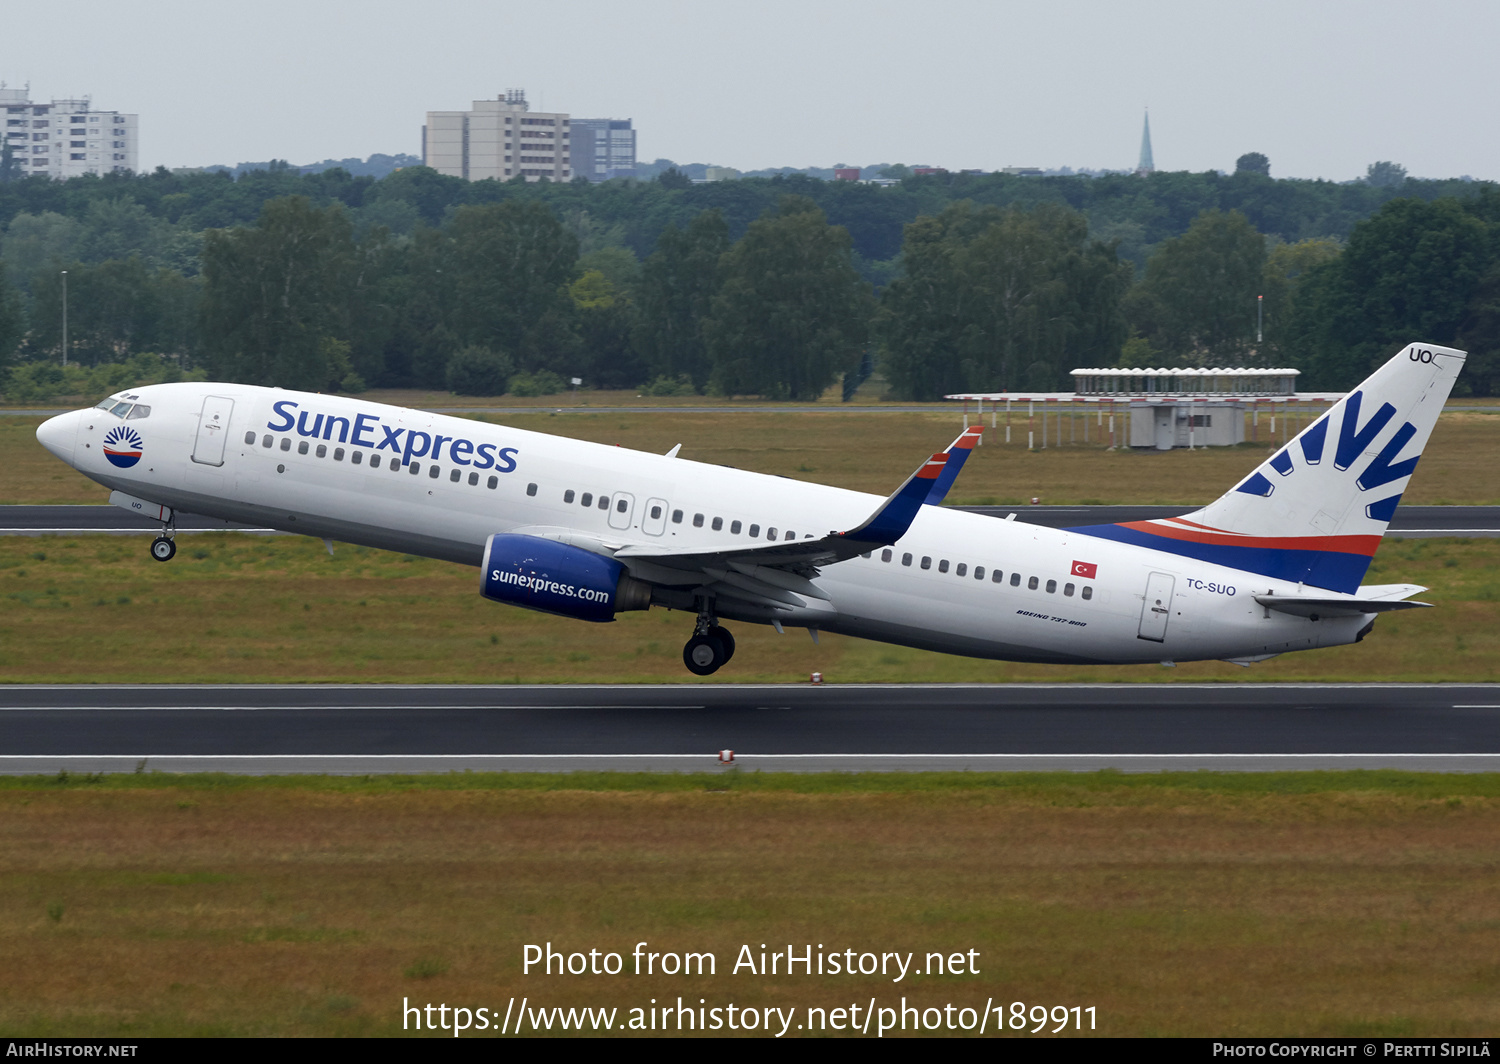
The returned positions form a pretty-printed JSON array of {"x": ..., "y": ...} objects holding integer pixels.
[
  {"x": 1157, "y": 608},
  {"x": 213, "y": 430}
]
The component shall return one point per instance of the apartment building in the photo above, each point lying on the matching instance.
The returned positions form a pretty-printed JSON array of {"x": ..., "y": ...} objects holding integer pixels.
[
  {"x": 603, "y": 148},
  {"x": 501, "y": 139},
  {"x": 67, "y": 138}
]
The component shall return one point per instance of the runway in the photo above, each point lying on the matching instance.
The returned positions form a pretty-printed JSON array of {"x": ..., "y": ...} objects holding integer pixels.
[
  {"x": 686, "y": 727},
  {"x": 1409, "y": 521}
]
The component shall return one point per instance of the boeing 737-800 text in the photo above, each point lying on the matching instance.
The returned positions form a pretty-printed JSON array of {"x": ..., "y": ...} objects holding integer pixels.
[{"x": 589, "y": 531}]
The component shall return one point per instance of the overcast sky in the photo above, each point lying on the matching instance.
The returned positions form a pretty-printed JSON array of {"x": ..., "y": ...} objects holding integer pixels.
[{"x": 1323, "y": 89}]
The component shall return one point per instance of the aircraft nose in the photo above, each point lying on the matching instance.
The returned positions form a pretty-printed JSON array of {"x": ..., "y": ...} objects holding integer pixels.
[{"x": 60, "y": 434}]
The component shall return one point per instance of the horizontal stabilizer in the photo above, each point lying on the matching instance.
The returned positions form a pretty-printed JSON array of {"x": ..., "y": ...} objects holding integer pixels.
[
  {"x": 958, "y": 453},
  {"x": 1316, "y": 608}
]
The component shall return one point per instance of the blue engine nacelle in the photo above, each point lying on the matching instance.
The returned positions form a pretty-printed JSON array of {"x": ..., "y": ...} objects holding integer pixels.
[{"x": 540, "y": 574}]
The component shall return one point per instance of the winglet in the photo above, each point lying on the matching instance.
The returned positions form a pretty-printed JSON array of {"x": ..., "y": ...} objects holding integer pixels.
[
  {"x": 889, "y": 523},
  {"x": 958, "y": 453}
]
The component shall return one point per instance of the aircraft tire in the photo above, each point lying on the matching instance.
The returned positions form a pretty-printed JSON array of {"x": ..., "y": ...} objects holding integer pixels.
[
  {"x": 703, "y": 655},
  {"x": 163, "y": 549},
  {"x": 726, "y": 640}
]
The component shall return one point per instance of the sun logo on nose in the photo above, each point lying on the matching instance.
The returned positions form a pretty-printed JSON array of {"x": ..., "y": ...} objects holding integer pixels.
[{"x": 122, "y": 446}]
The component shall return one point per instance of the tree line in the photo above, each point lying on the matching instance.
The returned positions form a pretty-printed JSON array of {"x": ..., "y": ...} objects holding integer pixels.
[{"x": 527, "y": 286}]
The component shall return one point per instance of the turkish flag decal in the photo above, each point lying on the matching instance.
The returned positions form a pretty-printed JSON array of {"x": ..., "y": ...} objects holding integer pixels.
[{"x": 1087, "y": 570}]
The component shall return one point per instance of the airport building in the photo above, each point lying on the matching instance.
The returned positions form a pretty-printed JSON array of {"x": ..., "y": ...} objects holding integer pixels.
[
  {"x": 500, "y": 139},
  {"x": 1159, "y": 409},
  {"x": 603, "y": 148},
  {"x": 67, "y": 138}
]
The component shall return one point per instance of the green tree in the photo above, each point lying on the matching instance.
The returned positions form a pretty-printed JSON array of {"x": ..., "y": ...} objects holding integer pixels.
[
  {"x": 512, "y": 264},
  {"x": 479, "y": 371},
  {"x": 1253, "y": 162},
  {"x": 1410, "y": 273},
  {"x": 12, "y": 321},
  {"x": 677, "y": 287},
  {"x": 116, "y": 310},
  {"x": 1287, "y": 266},
  {"x": 1000, "y": 299},
  {"x": 37, "y": 242},
  {"x": 10, "y": 169},
  {"x": 1385, "y": 175},
  {"x": 1201, "y": 291},
  {"x": 276, "y": 292},
  {"x": 792, "y": 313}
]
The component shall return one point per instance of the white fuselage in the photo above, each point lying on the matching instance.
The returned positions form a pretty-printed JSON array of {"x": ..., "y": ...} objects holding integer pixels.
[{"x": 446, "y": 508}]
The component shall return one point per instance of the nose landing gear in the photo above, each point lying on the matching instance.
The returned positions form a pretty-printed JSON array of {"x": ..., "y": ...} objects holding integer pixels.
[
  {"x": 164, "y": 546},
  {"x": 711, "y": 646}
]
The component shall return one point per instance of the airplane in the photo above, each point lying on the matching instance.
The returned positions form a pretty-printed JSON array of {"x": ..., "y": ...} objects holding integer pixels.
[{"x": 589, "y": 531}]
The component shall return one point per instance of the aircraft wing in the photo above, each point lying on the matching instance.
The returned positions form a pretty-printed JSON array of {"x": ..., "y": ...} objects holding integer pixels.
[
  {"x": 958, "y": 453},
  {"x": 787, "y": 566}
]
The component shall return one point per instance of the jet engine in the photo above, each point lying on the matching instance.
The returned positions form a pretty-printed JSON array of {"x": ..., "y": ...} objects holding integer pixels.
[{"x": 540, "y": 574}]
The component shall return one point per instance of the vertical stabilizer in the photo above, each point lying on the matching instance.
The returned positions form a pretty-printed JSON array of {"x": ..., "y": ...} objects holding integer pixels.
[{"x": 1314, "y": 511}]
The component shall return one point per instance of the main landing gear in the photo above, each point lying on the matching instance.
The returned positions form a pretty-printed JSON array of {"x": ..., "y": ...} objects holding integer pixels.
[{"x": 712, "y": 645}]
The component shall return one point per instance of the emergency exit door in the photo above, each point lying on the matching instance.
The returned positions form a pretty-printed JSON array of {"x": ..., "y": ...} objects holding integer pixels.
[
  {"x": 1157, "y": 608},
  {"x": 213, "y": 430}
]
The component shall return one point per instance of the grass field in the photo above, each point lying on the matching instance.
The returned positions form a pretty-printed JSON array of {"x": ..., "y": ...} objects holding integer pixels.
[
  {"x": 236, "y": 608},
  {"x": 1352, "y": 904},
  {"x": 875, "y": 451}
]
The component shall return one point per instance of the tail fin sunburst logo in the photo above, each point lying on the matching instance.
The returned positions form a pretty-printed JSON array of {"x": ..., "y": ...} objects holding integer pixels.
[{"x": 123, "y": 446}]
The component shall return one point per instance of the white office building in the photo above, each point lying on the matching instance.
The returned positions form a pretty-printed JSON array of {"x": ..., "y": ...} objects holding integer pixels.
[
  {"x": 500, "y": 139},
  {"x": 67, "y": 138}
]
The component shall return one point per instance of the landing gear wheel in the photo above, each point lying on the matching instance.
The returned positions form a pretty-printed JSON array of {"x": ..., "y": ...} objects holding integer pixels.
[
  {"x": 163, "y": 549},
  {"x": 725, "y": 638},
  {"x": 703, "y": 655}
]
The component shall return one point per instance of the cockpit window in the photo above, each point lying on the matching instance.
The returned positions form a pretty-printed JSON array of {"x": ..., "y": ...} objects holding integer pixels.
[
  {"x": 121, "y": 409},
  {"x": 105, "y": 404},
  {"x": 139, "y": 410}
]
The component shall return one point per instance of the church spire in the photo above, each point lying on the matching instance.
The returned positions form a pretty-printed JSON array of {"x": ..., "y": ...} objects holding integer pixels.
[{"x": 1147, "y": 165}]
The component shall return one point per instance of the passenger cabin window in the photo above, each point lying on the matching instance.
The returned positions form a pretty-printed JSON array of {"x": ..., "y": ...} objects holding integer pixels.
[
  {"x": 677, "y": 518},
  {"x": 434, "y": 472},
  {"x": 1068, "y": 590},
  {"x": 960, "y": 569},
  {"x": 621, "y": 506},
  {"x": 374, "y": 461},
  {"x": 1051, "y": 587},
  {"x": 771, "y": 533},
  {"x": 301, "y": 446},
  {"x": 322, "y": 451},
  {"x": 906, "y": 559},
  {"x": 286, "y": 443},
  {"x": 492, "y": 483},
  {"x": 1015, "y": 579},
  {"x": 568, "y": 495},
  {"x": 250, "y": 436},
  {"x": 697, "y": 520},
  {"x": 356, "y": 457},
  {"x": 885, "y": 555},
  {"x": 1088, "y": 592},
  {"x": 1032, "y": 583},
  {"x": 789, "y": 534},
  {"x": 734, "y": 528},
  {"x": 718, "y": 524},
  {"x": 604, "y": 502},
  {"x": 338, "y": 454},
  {"x": 587, "y": 500},
  {"x": 995, "y": 576},
  {"x": 531, "y": 489},
  {"x": 266, "y": 440},
  {"x": 414, "y": 468},
  {"x": 754, "y": 531},
  {"x": 395, "y": 465},
  {"x": 454, "y": 475},
  {"x": 943, "y": 566},
  {"x": 978, "y": 572},
  {"x": 655, "y": 513},
  {"x": 473, "y": 479}
]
